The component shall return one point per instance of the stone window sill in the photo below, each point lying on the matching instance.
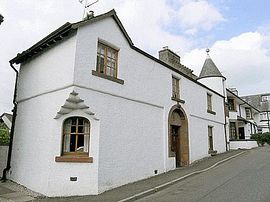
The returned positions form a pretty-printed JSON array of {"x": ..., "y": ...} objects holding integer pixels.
[
  {"x": 178, "y": 100},
  {"x": 211, "y": 112},
  {"x": 104, "y": 76},
  {"x": 74, "y": 159}
]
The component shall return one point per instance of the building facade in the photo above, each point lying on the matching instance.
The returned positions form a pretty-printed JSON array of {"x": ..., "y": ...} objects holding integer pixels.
[{"x": 96, "y": 112}]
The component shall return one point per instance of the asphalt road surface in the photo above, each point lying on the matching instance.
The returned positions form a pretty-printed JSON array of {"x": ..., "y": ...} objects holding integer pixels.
[{"x": 244, "y": 178}]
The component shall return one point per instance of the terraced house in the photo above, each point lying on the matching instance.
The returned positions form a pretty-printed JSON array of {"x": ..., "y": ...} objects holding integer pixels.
[{"x": 95, "y": 112}]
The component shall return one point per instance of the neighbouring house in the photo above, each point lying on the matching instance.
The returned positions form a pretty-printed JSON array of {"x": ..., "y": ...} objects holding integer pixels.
[
  {"x": 261, "y": 102},
  {"x": 5, "y": 126},
  {"x": 6, "y": 119},
  {"x": 243, "y": 121},
  {"x": 95, "y": 112}
]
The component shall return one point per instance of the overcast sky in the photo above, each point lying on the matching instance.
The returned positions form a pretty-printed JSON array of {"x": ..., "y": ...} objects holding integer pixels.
[{"x": 237, "y": 33}]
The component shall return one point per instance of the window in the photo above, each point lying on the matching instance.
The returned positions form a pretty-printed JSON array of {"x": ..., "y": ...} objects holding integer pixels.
[
  {"x": 231, "y": 104},
  {"x": 210, "y": 138},
  {"x": 209, "y": 102},
  {"x": 265, "y": 98},
  {"x": 175, "y": 88},
  {"x": 248, "y": 113},
  {"x": 233, "y": 134},
  {"x": 106, "y": 60},
  {"x": 76, "y": 136}
]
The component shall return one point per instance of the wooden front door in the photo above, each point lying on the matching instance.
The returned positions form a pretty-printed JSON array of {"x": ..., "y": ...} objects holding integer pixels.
[{"x": 176, "y": 144}]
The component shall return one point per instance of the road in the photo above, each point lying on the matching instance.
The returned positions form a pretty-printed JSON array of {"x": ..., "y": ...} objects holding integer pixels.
[{"x": 245, "y": 178}]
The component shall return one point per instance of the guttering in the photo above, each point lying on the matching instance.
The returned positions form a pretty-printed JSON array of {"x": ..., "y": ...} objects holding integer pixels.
[{"x": 4, "y": 176}]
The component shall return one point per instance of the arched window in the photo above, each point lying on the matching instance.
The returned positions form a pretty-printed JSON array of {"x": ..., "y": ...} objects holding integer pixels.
[{"x": 76, "y": 136}]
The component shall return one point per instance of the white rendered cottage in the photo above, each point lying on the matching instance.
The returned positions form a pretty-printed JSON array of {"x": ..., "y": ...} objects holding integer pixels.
[{"x": 95, "y": 112}]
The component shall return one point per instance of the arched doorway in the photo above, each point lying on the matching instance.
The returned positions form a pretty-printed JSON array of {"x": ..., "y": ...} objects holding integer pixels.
[{"x": 178, "y": 136}]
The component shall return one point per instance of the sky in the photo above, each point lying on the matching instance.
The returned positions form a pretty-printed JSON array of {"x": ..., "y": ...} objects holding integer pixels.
[{"x": 236, "y": 32}]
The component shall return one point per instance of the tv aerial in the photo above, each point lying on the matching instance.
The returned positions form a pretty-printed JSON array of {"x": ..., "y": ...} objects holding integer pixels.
[{"x": 86, "y": 12}]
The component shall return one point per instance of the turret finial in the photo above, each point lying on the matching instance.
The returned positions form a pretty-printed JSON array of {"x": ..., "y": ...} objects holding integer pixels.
[{"x": 207, "y": 51}]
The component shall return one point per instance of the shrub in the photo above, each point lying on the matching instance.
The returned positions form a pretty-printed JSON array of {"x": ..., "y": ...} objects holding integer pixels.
[
  {"x": 4, "y": 134},
  {"x": 261, "y": 138}
]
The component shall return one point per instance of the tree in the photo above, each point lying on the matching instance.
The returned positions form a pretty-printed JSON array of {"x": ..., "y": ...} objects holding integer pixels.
[
  {"x": 4, "y": 134},
  {"x": 1, "y": 19}
]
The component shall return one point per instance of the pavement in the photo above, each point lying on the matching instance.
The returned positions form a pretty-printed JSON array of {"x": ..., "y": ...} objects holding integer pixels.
[{"x": 10, "y": 191}]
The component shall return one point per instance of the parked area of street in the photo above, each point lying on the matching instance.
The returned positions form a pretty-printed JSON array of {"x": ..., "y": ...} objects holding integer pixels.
[{"x": 238, "y": 176}]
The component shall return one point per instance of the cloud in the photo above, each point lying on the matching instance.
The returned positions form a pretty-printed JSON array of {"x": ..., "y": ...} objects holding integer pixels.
[
  {"x": 194, "y": 16},
  {"x": 243, "y": 60}
]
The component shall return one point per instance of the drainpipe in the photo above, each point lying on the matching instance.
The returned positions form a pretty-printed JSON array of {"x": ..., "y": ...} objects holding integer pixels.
[
  {"x": 4, "y": 176},
  {"x": 225, "y": 129}
]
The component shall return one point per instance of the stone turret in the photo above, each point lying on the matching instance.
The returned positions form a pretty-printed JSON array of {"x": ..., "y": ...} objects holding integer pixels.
[{"x": 211, "y": 76}]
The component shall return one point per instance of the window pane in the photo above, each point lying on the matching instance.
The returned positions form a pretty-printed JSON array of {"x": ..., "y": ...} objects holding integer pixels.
[
  {"x": 80, "y": 129},
  {"x": 80, "y": 143},
  {"x": 80, "y": 121},
  {"x": 73, "y": 121},
  {"x": 73, "y": 129},
  {"x": 86, "y": 143},
  {"x": 72, "y": 143},
  {"x": 66, "y": 146}
]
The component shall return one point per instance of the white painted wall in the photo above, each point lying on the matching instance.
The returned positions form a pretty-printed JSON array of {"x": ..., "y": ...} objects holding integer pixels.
[
  {"x": 243, "y": 144},
  {"x": 48, "y": 71},
  {"x": 37, "y": 142},
  {"x": 215, "y": 83},
  {"x": 141, "y": 107},
  {"x": 131, "y": 139}
]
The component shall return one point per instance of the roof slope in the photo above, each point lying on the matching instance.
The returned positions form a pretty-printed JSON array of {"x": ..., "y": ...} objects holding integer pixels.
[
  {"x": 209, "y": 69},
  {"x": 68, "y": 28},
  {"x": 256, "y": 101}
]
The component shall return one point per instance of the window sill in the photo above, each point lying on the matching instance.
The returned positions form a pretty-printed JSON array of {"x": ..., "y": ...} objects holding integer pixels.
[
  {"x": 211, "y": 112},
  {"x": 104, "y": 76},
  {"x": 178, "y": 100},
  {"x": 74, "y": 159}
]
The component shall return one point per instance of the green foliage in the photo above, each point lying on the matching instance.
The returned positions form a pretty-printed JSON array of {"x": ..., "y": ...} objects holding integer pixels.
[
  {"x": 261, "y": 138},
  {"x": 4, "y": 134}
]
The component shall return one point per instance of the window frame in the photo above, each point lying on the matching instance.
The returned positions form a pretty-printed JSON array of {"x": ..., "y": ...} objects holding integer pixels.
[
  {"x": 209, "y": 103},
  {"x": 233, "y": 133},
  {"x": 210, "y": 139},
  {"x": 107, "y": 58},
  {"x": 175, "y": 88},
  {"x": 233, "y": 104},
  {"x": 76, "y": 156},
  {"x": 247, "y": 109}
]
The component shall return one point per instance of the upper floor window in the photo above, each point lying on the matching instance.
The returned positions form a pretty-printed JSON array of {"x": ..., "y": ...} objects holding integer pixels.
[
  {"x": 265, "y": 98},
  {"x": 175, "y": 88},
  {"x": 76, "y": 136},
  {"x": 248, "y": 113},
  {"x": 106, "y": 60},
  {"x": 231, "y": 104},
  {"x": 209, "y": 102}
]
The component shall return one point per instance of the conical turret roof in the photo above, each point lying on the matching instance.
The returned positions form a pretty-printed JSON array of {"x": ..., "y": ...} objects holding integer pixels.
[{"x": 209, "y": 68}]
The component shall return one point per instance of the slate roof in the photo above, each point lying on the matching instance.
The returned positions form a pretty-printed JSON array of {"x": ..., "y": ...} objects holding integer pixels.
[
  {"x": 209, "y": 69},
  {"x": 256, "y": 101}
]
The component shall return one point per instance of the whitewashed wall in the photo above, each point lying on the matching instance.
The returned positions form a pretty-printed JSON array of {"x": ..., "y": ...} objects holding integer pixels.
[
  {"x": 51, "y": 70},
  {"x": 145, "y": 81},
  {"x": 129, "y": 142}
]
